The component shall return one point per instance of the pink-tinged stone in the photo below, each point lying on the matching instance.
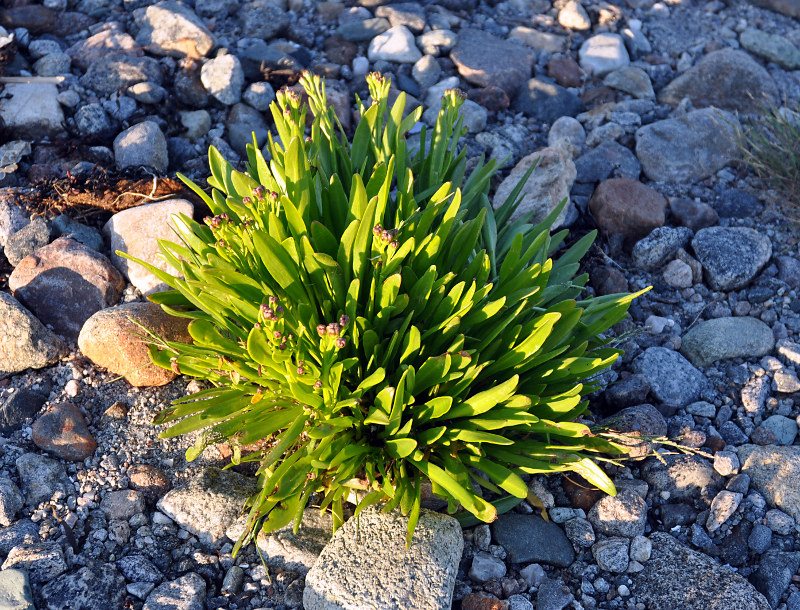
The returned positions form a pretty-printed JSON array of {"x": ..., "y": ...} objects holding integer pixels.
[{"x": 62, "y": 431}]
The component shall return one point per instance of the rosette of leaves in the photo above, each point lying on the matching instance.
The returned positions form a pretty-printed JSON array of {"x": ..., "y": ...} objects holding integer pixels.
[{"x": 361, "y": 312}]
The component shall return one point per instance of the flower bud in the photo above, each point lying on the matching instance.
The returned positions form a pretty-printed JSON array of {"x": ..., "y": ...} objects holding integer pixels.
[
  {"x": 341, "y": 342},
  {"x": 386, "y": 236},
  {"x": 317, "y": 385},
  {"x": 273, "y": 300},
  {"x": 394, "y": 244},
  {"x": 321, "y": 329},
  {"x": 334, "y": 329},
  {"x": 266, "y": 312},
  {"x": 301, "y": 371},
  {"x": 247, "y": 200},
  {"x": 259, "y": 191},
  {"x": 277, "y": 334},
  {"x": 377, "y": 230},
  {"x": 344, "y": 320},
  {"x": 279, "y": 310}
]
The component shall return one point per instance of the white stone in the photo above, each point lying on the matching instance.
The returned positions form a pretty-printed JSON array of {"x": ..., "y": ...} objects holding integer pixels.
[
  {"x": 395, "y": 44},
  {"x": 603, "y": 53},
  {"x": 31, "y": 110},
  {"x": 136, "y": 231},
  {"x": 223, "y": 78},
  {"x": 726, "y": 463},
  {"x": 569, "y": 129},
  {"x": 678, "y": 274},
  {"x": 723, "y": 506},
  {"x": 367, "y": 565},
  {"x": 360, "y": 65},
  {"x": 574, "y": 16}
]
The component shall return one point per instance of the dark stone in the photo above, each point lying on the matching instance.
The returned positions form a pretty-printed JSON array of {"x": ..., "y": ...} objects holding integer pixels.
[
  {"x": 630, "y": 391},
  {"x": 339, "y": 50},
  {"x": 732, "y": 433},
  {"x": 491, "y": 98},
  {"x": 179, "y": 151},
  {"x": 553, "y": 595},
  {"x": 674, "y": 514},
  {"x": 485, "y": 60},
  {"x": 87, "y": 589},
  {"x": 608, "y": 160},
  {"x": 685, "y": 477},
  {"x": 693, "y": 214},
  {"x": 529, "y": 538},
  {"x": 774, "y": 575},
  {"x": 789, "y": 271},
  {"x": 608, "y": 280},
  {"x": 565, "y": 71},
  {"x": 734, "y": 549},
  {"x": 137, "y": 568},
  {"x": 22, "y": 533},
  {"x": 118, "y": 70},
  {"x": 763, "y": 436},
  {"x": 736, "y": 203},
  {"x": 760, "y": 538},
  {"x": 189, "y": 88},
  {"x": 544, "y": 100},
  {"x": 27, "y": 240},
  {"x": 739, "y": 483},
  {"x": 18, "y": 407},
  {"x": 242, "y": 121}
]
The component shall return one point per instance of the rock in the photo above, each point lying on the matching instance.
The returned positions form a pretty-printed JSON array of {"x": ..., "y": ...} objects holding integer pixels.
[
  {"x": 552, "y": 595},
  {"x": 64, "y": 226},
  {"x": 208, "y": 504},
  {"x": 479, "y": 601},
  {"x": 731, "y": 256},
  {"x": 185, "y": 593},
  {"x": 31, "y": 110},
  {"x": 223, "y": 79},
  {"x": 736, "y": 203},
  {"x": 363, "y": 30},
  {"x": 677, "y": 577},
  {"x": 485, "y": 567},
  {"x": 789, "y": 350},
  {"x": 693, "y": 214},
  {"x": 87, "y": 51},
  {"x": 771, "y": 47},
  {"x": 11, "y": 501},
  {"x": 673, "y": 380},
  {"x": 147, "y": 93},
  {"x": 779, "y": 522},
  {"x": 286, "y": 550},
  {"x": 395, "y": 44},
  {"x": 728, "y": 79},
  {"x": 137, "y": 568},
  {"x": 41, "y": 477},
  {"x": 426, "y": 71},
  {"x": 111, "y": 339},
  {"x": 93, "y": 120},
  {"x": 150, "y": 480},
  {"x": 367, "y": 563},
  {"x": 725, "y": 338},
  {"x": 15, "y": 590},
  {"x": 631, "y": 80},
  {"x": 611, "y": 554},
  {"x": 259, "y": 95},
  {"x": 628, "y": 392},
  {"x": 171, "y": 28},
  {"x": 544, "y": 100},
  {"x": 659, "y": 246},
  {"x": 760, "y": 539},
  {"x": 485, "y": 60},
  {"x": 241, "y": 123},
  {"x": 528, "y": 538},
  {"x": 689, "y": 148},
  {"x": 678, "y": 274},
  {"x": 409, "y": 14},
  {"x": 53, "y": 64},
  {"x": 547, "y": 186},
  {"x": 62, "y": 430},
  {"x": 723, "y": 506},
  {"x": 580, "y": 533},
  {"x": 785, "y": 7},
  {"x": 621, "y": 515},
  {"x": 122, "y": 504},
  {"x": 96, "y": 587},
  {"x": 784, "y": 428},
  {"x": 726, "y": 463},
  {"x": 754, "y": 394},
  {"x": 43, "y": 561},
  {"x": 774, "y": 575},
  {"x": 574, "y": 17},
  {"x": 566, "y": 129},
  {"x": 774, "y": 472},
  {"x": 603, "y": 53},
  {"x": 142, "y": 144},
  {"x": 538, "y": 40},
  {"x": 683, "y": 477},
  {"x": 638, "y": 421},
  {"x": 109, "y": 73},
  {"x": 136, "y": 232},
  {"x": 24, "y": 343},
  {"x": 436, "y": 42},
  {"x": 566, "y": 72},
  {"x": 262, "y": 19},
  {"x": 27, "y": 240},
  {"x": 607, "y": 160},
  {"x": 12, "y": 216},
  {"x": 64, "y": 283},
  {"x": 626, "y": 209}
]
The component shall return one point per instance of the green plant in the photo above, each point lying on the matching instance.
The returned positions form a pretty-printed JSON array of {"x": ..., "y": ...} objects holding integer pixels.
[
  {"x": 364, "y": 313},
  {"x": 770, "y": 145}
]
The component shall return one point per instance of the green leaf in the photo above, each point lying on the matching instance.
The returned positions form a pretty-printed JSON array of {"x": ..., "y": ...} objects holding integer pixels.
[{"x": 486, "y": 400}]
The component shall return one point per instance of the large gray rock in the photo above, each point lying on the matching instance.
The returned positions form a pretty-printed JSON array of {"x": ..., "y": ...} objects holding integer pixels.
[
  {"x": 787, "y": 7},
  {"x": 97, "y": 587},
  {"x": 31, "y": 110},
  {"x": 11, "y": 501},
  {"x": 546, "y": 187},
  {"x": 23, "y": 533},
  {"x": 660, "y": 246},
  {"x": 723, "y": 338},
  {"x": 683, "y": 477},
  {"x": 774, "y": 574},
  {"x": 208, "y": 504},
  {"x": 727, "y": 79},
  {"x": 142, "y": 144},
  {"x": 286, "y": 550},
  {"x": 24, "y": 341},
  {"x": 223, "y": 78},
  {"x": 485, "y": 60},
  {"x": 678, "y": 577},
  {"x": 106, "y": 42},
  {"x": 771, "y": 47},
  {"x": 12, "y": 216},
  {"x": 31, "y": 237},
  {"x": 43, "y": 561},
  {"x": 185, "y": 593},
  {"x": 136, "y": 232},
  {"x": 41, "y": 477},
  {"x": 367, "y": 564},
  {"x": 109, "y": 73},
  {"x": 731, "y": 256},
  {"x": 673, "y": 380},
  {"x": 603, "y": 53},
  {"x": 171, "y": 28},
  {"x": 15, "y": 591},
  {"x": 689, "y": 148},
  {"x": 622, "y": 515},
  {"x": 775, "y": 472}
]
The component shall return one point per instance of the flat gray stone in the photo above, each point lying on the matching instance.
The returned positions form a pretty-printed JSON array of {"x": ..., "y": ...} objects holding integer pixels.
[
  {"x": 771, "y": 47},
  {"x": 677, "y": 577},
  {"x": 142, "y": 144},
  {"x": 208, "y": 504},
  {"x": 31, "y": 110},
  {"x": 529, "y": 538},
  {"x": 167, "y": 28},
  {"x": 15, "y": 591},
  {"x": 486, "y": 60},
  {"x": 683, "y": 477},
  {"x": 775, "y": 473},
  {"x": 367, "y": 564},
  {"x": 286, "y": 550},
  {"x": 25, "y": 343},
  {"x": 784, "y": 428},
  {"x": 115, "y": 71},
  {"x": 41, "y": 477},
  {"x": 731, "y": 256},
  {"x": 603, "y": 53},
  {"x": 101, "y": 586},
  {"x": 223, "y": 79},
  {"x": 22, "y": 533},
  {"x": 673, "y": 379},
  {"x": 185, "y": 593},
  {"x": 622, "y": 515},
  {"x": 43, "y": 561},
  {"x": 689, "y": 148},
  {"x": 724, "y": 338}
]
